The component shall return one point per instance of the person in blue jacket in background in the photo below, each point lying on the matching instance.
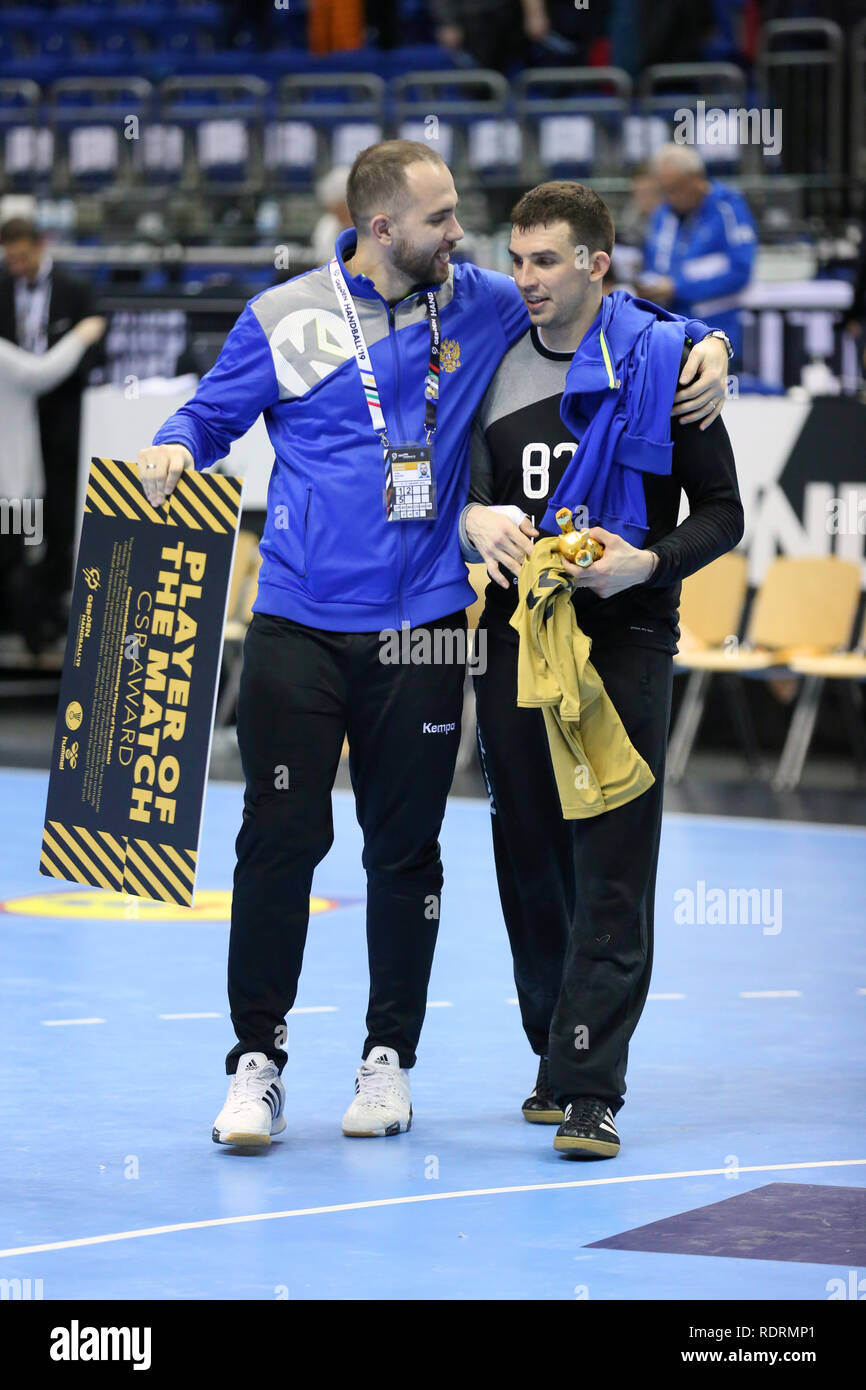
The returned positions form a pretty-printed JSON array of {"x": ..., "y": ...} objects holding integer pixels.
[{"x": 700, "y": 247}]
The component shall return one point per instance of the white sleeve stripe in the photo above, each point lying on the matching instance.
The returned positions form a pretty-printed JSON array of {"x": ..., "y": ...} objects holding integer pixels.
[
  {"x": 737, "y": 232},
  {"x": 702, "y": 267}
]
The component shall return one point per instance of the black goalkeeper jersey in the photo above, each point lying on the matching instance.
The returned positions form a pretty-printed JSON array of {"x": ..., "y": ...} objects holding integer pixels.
[{"x": 520, "y": 449}]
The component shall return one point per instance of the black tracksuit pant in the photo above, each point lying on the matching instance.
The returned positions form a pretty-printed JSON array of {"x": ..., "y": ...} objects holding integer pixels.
[
  {"x": 303, "y": 689},
  {"x": 577, "y": 896}
]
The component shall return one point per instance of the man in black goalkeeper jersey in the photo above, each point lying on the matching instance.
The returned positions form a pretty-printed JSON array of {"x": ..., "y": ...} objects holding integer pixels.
[{"x": 577, "y": 896}]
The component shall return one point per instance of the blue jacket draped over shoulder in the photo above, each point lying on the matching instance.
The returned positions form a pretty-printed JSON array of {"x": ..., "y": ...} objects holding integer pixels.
[{"x": 617, "y": 402}]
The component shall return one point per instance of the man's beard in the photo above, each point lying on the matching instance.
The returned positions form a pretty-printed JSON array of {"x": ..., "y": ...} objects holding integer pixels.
[{"x": 419, "y": 267}]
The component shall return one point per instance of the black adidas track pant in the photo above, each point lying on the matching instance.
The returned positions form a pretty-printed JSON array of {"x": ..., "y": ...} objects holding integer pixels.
[
  {"x": 577, "y": 896},
  {"x": 303, "y": 689}
]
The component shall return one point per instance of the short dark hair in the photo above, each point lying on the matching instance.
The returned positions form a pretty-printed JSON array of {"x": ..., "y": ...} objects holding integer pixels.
[
  {"x": 562, "y": 200},
  {"x": 19, "y": 229},
  {"x": 377, "y": 178}
]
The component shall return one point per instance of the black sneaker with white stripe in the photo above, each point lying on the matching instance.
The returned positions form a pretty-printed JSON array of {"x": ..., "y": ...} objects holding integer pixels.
[
  {"x": 540, "y": 1108},
  {"x": 587, "y": 1130}
]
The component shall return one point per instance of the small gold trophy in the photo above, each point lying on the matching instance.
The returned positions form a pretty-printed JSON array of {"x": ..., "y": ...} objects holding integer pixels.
[{"x": 577, "y": 546}]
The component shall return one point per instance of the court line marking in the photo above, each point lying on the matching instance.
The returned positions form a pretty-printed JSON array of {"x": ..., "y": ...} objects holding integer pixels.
[
  {"x": 771, "y": 994},
  {"x": 189, "y": 1016},
  {"x": 415, "y": 1198},
  {"x": 65, "y": 1022},
  {"x": 666, "y": 996}
]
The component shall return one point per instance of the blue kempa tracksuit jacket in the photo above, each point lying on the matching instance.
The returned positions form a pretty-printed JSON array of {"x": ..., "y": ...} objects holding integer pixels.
[
  {"x": 709, "y": 255},
  {"x": 329, "y": 558}
]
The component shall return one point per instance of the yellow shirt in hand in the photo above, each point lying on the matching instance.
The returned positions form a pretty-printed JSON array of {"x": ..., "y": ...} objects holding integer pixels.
[{"x": 594, "y": 761}]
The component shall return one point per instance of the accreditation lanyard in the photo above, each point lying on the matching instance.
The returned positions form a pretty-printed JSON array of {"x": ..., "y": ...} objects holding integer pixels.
[{"x": 409, "y": 492}]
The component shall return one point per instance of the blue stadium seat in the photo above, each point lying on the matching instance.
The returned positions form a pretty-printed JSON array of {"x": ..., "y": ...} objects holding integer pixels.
[
  {"x": 222, "y": 120},
  {"x": 573, "y": 119},
  {"x": 321, "y": 120},
  {"x": 181, "y": 36},
  {"x": 27, "y": 144},
  {"x": 24, "y": 17},
  {"x": 97, "y": 124},
  {"x": 669, "y": 88},
  {"x": 471, "y": 110},
  {"x": 12, "y": 48},
  {"x": 50, "y": 42},
  {"x": 78, "y": 16}
]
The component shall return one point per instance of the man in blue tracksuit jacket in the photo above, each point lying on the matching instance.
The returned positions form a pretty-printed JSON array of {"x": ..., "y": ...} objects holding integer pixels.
[
  {"x": 391, "y": 345},
  {"x": 700, "y": 246}
]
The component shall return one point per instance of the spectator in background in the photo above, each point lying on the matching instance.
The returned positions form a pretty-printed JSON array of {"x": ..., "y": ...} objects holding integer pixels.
[
  {"x": 675, "y": 31},
  {"x": 632, "y": 225},
  {"x": 23, "y": 377},
  {"x": 39, "y": 303},
  {"x": 251, "y": 17},
  {"x": 700, "y": 248},
  {"x": 495, "y": 33},
  {"x": 644, "y": 198},
  {"x": 664, "y": 31},
  {"x": 331, "y": 193}
]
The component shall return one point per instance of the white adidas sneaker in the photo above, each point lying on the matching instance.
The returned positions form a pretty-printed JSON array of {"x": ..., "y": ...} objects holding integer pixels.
[
  {"x": 383, "y": 1103},
  {"x": 254, "y": 1106}
]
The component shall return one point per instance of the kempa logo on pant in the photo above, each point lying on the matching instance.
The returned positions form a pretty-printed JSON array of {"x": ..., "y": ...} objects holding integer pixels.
[
  {"x": 76, "y": 1343},
  {"x": 438, "y": 728}
]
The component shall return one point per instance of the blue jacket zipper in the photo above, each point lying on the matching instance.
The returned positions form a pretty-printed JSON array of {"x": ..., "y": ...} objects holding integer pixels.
[
  {"x": 392, "y": 334},
  {"x": 307, "y": 503}
]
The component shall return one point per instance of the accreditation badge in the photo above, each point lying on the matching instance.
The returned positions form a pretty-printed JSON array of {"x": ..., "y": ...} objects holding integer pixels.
[
  {"x": 410, "y": 484},
  {"x": 138, "y": 690}
]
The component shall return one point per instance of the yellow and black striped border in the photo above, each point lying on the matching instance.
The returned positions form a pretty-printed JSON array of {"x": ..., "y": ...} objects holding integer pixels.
[
  {"x": 201, "y": 501},
  {"x": 118, "y": 862}
]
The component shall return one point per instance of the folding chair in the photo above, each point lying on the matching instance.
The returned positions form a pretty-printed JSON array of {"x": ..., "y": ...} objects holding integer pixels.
[
  {"x": 805, "y": 607},
  {"x": 711, "y": 610},
  {"x": 849, "y": 669}
]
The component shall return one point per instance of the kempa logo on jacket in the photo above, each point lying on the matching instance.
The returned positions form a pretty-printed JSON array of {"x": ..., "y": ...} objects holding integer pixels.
[{"x": 429, "y": 728}]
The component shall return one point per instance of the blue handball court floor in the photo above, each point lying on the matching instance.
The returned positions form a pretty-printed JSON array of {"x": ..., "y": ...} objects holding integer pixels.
[{"x": 742, "y": 1173}]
